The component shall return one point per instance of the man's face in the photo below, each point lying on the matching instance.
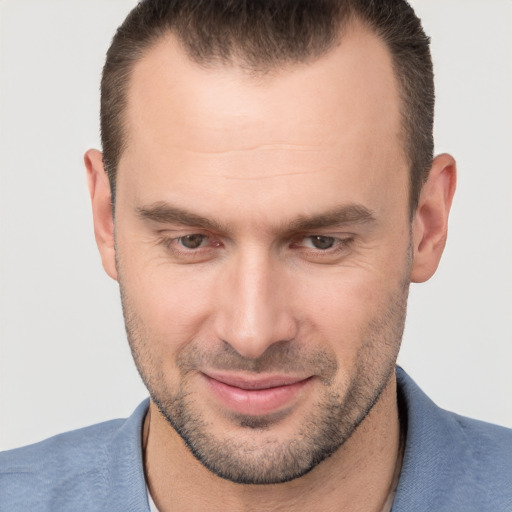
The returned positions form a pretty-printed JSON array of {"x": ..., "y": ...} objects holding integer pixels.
[{"x": 263, "y": 251}]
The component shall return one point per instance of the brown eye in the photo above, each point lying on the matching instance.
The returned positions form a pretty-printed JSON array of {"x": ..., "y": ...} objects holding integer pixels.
[
  {"x": 192, "y": 241},
  {"x": 322, "y": 242}
]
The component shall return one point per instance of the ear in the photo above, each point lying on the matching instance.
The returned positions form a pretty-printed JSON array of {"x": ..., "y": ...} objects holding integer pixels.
[
  {"x": 99, "y": 189},
  {"x": 430, "y": 223}
]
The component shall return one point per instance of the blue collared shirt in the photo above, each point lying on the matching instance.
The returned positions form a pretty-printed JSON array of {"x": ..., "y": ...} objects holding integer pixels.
[{"x": 451, "y": 463}]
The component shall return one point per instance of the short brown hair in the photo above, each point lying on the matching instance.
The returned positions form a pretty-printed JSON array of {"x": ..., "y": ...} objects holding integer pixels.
[{"x": 264, "y": 34}]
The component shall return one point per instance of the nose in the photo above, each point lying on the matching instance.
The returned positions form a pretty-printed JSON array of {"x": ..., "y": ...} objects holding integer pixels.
[{"x": 254, "y": 309}]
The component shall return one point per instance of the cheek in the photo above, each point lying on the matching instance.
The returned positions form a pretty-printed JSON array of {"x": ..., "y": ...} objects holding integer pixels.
[
  {"x": 340, "y": 308},
  {"x": 172, "y": 304}
]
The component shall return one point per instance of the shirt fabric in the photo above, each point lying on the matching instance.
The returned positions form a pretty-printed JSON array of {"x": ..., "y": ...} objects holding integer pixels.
[{"x": 451, "y": 463}]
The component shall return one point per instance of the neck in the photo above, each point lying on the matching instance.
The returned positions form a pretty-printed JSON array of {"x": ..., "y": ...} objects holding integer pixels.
[{"x": 360, "y": 475}]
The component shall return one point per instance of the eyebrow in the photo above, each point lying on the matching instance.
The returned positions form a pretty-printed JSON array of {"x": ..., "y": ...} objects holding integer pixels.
[
  {"x": 164, "y": 213},
  {"x": 347, "y": 214}
]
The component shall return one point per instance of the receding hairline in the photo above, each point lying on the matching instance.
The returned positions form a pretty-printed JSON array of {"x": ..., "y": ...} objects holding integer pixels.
[
  {"x": 171, "y": 40},
  {"x": 265, "y": 38},
  {"x": 254, "y": 68}
]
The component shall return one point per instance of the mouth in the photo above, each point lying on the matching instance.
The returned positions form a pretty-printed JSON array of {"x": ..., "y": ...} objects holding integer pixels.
[{"x": 256, "y": 395}]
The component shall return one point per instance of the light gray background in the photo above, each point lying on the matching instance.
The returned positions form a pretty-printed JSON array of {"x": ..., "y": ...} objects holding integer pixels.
[{"x": 64, "y": 361}]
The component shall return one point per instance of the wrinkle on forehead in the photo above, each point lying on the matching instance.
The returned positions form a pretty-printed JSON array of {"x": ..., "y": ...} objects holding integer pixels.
[
  {"x": 257, "y": 147},
  {"x": 256, "y": 164},
  {"x": 241, "y": 177}
]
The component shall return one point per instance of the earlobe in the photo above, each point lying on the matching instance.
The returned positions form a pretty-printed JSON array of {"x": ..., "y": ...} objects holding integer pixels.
[
  {"x": 99, "y": 190},
  {"x": 430, "y": 223}
]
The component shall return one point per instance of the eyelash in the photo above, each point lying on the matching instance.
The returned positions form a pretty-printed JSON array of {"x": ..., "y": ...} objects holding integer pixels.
[
  {"x": 341, "y": 245},
  {"x": 173, "y": 244}
]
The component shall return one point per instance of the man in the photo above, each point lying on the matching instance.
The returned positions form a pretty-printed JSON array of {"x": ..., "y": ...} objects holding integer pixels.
[{"x": 266, "y": 194}]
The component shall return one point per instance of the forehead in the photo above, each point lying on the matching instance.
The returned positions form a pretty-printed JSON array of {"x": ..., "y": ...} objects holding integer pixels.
[
  {"x": 355, "y": 79},
  {"x": 190, "y": 122}
]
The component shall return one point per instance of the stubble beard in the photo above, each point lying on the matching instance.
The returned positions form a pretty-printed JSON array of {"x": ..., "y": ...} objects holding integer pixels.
[{"x": 258, "y": 457}]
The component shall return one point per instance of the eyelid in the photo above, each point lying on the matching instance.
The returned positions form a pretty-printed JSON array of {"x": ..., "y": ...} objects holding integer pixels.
[
  {"x": 340, "y": 238},
  {"x": 169, "y": 239},
  {"x": 180, "y": 240},
  {"x": 171, "y": 243},
  {"x": 343, "y": 245}
]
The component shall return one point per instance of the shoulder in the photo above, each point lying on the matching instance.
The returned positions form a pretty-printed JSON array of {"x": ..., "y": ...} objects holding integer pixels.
[
  {"x": 74, "y": 449},
  {"x": 452, "y": 462},
  {"x": 67, "y": 470},
  {"x": 480, "y": 458},
  {"x": 483, "y": 440}
]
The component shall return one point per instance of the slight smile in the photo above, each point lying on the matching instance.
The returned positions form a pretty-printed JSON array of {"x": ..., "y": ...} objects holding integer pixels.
[{"x": 257, "y": 395}]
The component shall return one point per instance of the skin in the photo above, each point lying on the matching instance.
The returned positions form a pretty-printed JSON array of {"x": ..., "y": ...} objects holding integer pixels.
[{"x": 258, "y": 158}]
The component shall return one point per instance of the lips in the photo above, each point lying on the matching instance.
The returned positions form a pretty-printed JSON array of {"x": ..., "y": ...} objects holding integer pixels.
[{"x": 258, "y": 395}]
